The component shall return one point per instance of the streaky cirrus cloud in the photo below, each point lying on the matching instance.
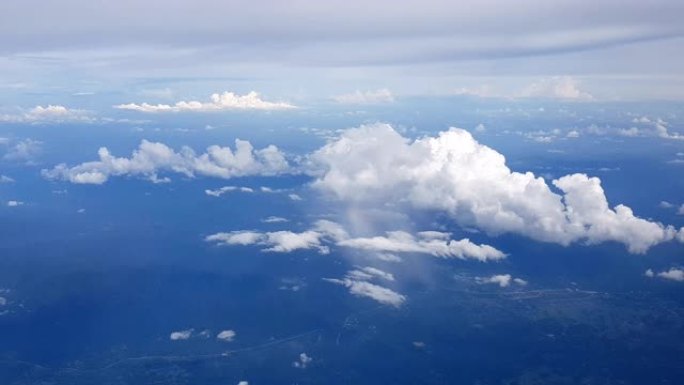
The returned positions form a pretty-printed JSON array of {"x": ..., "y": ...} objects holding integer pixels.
[
  {"x": 225, "y": 189},
  {"x": 325, "y": 233},
  {"x": 366, "y": 97},
  {"x": 471, "y": 182},
  {"x": 284, "y": 241},
  {"x": 152, "y": 158},
  {"x": 358, "y": 283},
  {"x": 218, "y": 102},
  {"x": 427, "y": 242}
]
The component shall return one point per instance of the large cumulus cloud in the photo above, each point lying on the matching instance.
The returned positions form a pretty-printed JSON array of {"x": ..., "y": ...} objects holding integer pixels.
[{"x": 452, "y": 172}]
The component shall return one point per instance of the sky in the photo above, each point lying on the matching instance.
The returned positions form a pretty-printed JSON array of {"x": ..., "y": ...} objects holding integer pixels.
[
  {"x": 513, "y": 168},
  {"x": 112, "y": 52}
]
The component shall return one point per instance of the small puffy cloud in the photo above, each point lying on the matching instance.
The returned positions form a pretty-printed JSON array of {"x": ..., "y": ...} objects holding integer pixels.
[
  {"x": 243, "y": 383},
  {"x": 662, "y": 130},
  {"x": 151, "y": 158},
  {"x": 651, "y": 127},
  {"x": 367, "y": 97},
  {"x": 6, "y": 179},
  {"x": 470, "y": 182},
  {"x": 303, "y": 361},
  {"x": 295, "y": 197},
  {"x": 503, "y": 280},
  {"x": 14, "y": 203},
  {"x": 226, "y": 335},
  {"x": 674, "y": 274},
  {"x": 649, "y": 273},
  {"x": 181, "y": 335},
  {"x": 666, "y": 205},
  {"x": 24, "y": 151},
  {"x": 218, "y": 102},
  {"x": 557, "y": 87}
]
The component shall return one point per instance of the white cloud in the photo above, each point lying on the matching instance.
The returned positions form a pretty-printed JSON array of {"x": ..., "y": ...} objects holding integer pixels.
[
  {"x": 281, "y": 241},
  {"x": 49, "y": 114},
  {"x": 455, "y": 174},
  {"x": 14, "y": 203},
  {"x": 661, "y": 128},
  {"x": 673, "y": 274},
  {"x": 303, "y": 361},
  {"x": 368, "y": 273},
  {"x": 428, "y": 242},
  {"x": 226, "y": 335},
  {"x": 649, "y": 273},
  {"x": 243, "y": 383},
  {"x": 151, "y": 158},
  {"x": 219, "y": 102},
  {"x": 367, "y": 97},
  {"x": 363, "y": 288},
  {"x": 181, "y": 335},
  {"x": 651, "y": 127},
  {"x": 666, "y": 205},
  {"x": 220, "y": 191},
  {"x": 274, "y": 219},
  {"x": 357, "y": 281},
  {"x": 6, "y": 179},
  {"x": 433, "y": 243},
  {"x": 25, "y": 150},
  {"x": 557, "y": 87},
  {"x": 503, "y": 280},
  {"x": 295, "y": 197}
]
